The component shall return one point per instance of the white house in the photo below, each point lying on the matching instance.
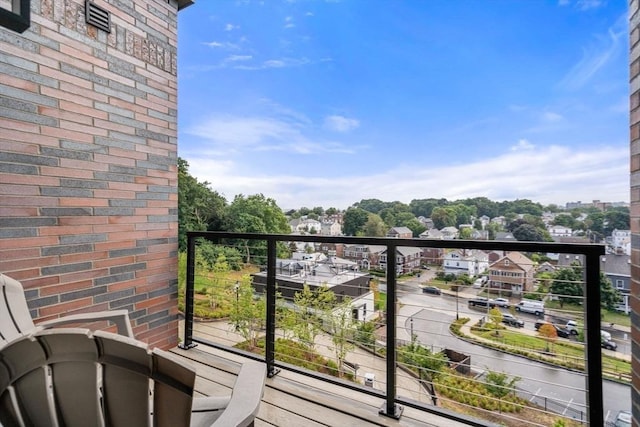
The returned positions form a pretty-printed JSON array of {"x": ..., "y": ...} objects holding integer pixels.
[
  {"x": 559, "y": 231},
  {"x": 305, "y": 226},
  {"x": 470, "y": 262},
  {"x": 621, "y": 241},
  {"x": 331, "y": 228}
]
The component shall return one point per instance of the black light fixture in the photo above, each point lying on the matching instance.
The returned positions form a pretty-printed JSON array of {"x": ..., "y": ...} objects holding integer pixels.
[{"x": 18, "y": 18}]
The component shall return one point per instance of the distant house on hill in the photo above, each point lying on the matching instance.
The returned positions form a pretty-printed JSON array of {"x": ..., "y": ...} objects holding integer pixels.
[{"x": 400, "y": 233}]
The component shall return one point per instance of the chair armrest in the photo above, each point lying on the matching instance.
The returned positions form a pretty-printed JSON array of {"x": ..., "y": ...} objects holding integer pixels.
[
  {"x": 119, "y": 317},
  {"x": 245, "y": 397}
]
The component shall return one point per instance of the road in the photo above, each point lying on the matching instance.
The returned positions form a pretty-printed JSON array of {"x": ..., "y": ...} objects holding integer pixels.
[{"x": 430, "y": 316}]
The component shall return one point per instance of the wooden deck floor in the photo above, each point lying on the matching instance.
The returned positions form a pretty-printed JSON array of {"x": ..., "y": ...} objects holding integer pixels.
[{"x": 291, "y": 399}]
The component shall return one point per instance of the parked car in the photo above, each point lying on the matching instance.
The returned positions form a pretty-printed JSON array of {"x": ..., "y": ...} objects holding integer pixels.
[
  {"x": 560, "y": 331},
  {"x": 572, "y": 327},
  {"x": 529, "y": 306},
  {"x": 431, "y": 290},
  {"x": 608, "y": 344},
  {"x": 502, "y": 302},
  {"x": 481, "y": 302},
  {"x": 511, "y": 320},
  {"x": 623, "y": 419}
]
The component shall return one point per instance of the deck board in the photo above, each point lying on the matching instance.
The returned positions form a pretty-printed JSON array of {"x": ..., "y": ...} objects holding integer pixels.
[{"x": 291, "y": 399}]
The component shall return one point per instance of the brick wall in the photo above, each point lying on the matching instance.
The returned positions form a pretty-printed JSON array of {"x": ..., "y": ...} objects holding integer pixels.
[
  {"x": 88, "y": 175},
  {"x": 634, "y": 60}
]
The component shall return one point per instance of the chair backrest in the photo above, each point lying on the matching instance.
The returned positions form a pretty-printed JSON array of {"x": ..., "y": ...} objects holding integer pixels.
[
  {"x": 73, "y": 377},
  {"x": 15, "y": 319}
]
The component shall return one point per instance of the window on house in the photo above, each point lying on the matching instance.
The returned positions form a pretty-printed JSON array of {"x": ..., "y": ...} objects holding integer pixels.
[{"x": 619, "y": 284}]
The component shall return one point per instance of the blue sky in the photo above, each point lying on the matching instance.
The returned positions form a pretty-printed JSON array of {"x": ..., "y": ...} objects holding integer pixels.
[{"x": 327, "y": 102}]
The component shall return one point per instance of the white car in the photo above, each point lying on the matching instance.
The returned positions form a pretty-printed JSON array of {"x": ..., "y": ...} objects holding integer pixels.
[{"x": 502, "y": 302}]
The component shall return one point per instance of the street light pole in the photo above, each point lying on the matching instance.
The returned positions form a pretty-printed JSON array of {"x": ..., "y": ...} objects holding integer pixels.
[
  {"x": 411, "y": 326},
  {"x": 457, "y": 289}
]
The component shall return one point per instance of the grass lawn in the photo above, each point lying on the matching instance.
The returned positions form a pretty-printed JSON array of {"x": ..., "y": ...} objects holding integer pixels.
[{"x": 564, "y": 352}]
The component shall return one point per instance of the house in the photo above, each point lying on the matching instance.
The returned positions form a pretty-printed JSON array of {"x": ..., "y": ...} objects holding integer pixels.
[
  {"x": 512, "y": 274},
  {"x": 305, "y": 225},
  {"x": 449, "y": 233},
  {"x": 367, "y": 256},
  {"x": 505, "y": 236},
  {"x": 559, "y": 231},
  {"x": 432, "y": 256},
  {"x": 620, "y": 242},
  {"x": 617, "y": 268},
  {"x": 331, "y": 228},
  {"x": 546, "y": 267},
  {"x": 407, "y": 259},
  {"x": 400, "y": 233},
  {"x": 470, "y": 262},
  {"x": 427, "y": 222},
  {"x": 432, "y": 233},
  {"x": 484, "y": 220}
]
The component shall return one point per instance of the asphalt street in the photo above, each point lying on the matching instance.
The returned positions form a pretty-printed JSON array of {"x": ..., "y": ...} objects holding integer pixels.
[{"x": 429, "y": 316}]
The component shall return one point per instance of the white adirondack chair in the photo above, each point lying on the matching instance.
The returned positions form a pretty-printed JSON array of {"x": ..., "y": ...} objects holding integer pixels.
[
  {"x": 15, "y": 319},
  {"x": 73, "y": 377}
]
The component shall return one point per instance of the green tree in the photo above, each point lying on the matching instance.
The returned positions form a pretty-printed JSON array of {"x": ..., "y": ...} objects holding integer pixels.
[
  {"x": 616, "y": 219},
  {"x": 248, "y": 316},
  {"x": 371, "y": 205},
  {"x": 310, "y": 305},
  {"x": 495, "y": 317},
  {"x": 375, "y": 226},
  {"x": 415, "y": 226},
  {"x": 609, "y": 296},
  {"x": 256, "y": 214},
  {"x": 528, "y": 232},
  {"x": 341, "y": 327},
  {"x": 428, "y": 364},
  {"x": 444, "y": 217},
  {"x": 499, "y": 384},
  {"x": 218, "y": 289},
  {"x": 199, "y": 207},
  {"x": 353, "y": 221},
  {"x": 567, "y": 285}
]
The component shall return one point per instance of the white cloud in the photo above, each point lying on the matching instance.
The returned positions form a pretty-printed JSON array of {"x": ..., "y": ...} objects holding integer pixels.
[
  {"x": 231, "y": 27},
  {"x": 288, "y": 22},
  {"x": 551, "y": 117},
  {"x": 596, "y": 56},
  {"x": 553, "y": 174},
  {"x": 222, "y": 45},
  {"x": 234, "y": 134},
  {"x": 523, "y": 144},
  {"x": 340, "y": 123}
]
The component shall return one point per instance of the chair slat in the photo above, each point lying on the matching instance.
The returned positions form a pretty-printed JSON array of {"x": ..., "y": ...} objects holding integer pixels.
[{"x": 173, "y": 390}]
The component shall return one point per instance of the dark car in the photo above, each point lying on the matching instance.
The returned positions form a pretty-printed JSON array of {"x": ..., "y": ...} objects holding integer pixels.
[
  {"x": 608, "y": 344},
  {"x": 511, "y": 320},
  {"x": 561, "y": 332},
  {"x": 481, "y": 302},
  {"x": 431, "y": 290}
]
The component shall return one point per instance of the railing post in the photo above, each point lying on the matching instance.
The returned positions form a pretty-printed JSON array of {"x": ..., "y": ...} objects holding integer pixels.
[
  {"x": 188, "y": 297},
  {"x": 270, "y": 340},
  {"x": 389, "y": 408},
  {"x": 595, "y": 415}
]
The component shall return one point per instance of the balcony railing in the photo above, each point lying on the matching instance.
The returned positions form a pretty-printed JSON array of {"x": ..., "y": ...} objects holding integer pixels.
[{"x": 273, "y": 284}]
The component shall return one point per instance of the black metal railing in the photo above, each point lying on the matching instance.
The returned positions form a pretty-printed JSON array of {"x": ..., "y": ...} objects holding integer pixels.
[{"x": 393, "y": 404}]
